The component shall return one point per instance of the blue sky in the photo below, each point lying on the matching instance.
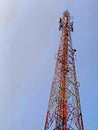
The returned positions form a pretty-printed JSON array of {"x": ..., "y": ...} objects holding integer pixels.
[{"x": 29, "y": 40}]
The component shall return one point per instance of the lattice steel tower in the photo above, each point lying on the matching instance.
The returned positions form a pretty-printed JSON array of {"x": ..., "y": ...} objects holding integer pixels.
[{"x": 64, "y": 110}]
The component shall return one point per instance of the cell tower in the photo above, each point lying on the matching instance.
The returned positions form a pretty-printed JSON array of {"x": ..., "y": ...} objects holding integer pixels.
[{"x": 64, "y": 110}]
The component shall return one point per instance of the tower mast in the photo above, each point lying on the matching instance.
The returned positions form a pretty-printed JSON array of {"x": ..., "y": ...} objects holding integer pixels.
[{"x": 64, "y": 110}]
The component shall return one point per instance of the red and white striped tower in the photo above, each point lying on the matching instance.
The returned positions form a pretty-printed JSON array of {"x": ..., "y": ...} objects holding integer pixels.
[{"x": 64, "y": 110}]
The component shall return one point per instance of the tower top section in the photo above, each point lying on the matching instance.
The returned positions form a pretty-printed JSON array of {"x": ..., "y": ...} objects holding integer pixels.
[{"x": 64, "y": 23}]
